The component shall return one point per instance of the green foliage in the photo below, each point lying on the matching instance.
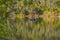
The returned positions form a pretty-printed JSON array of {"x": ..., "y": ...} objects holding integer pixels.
[
  {"x": 4, "y": 1},
  {"x": 4, "y": 32},
  {"x": 39, "y": 11},
  {"x": 2, "y": 9},
  {"x": 58, "y": 3},
  {"x": 25, "y": 2},
  {"x": 23, "y": 29},
  {"x": 57, "y": 24},
  {"x": 30, "y": 2}
]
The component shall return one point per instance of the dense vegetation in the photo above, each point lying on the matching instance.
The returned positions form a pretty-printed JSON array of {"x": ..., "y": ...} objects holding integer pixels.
[{"x": 29, "y": 20}]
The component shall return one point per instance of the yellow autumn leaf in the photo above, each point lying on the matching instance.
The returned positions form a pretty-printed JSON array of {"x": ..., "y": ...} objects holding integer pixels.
[{"x": 20, "y": 16}]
